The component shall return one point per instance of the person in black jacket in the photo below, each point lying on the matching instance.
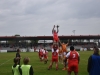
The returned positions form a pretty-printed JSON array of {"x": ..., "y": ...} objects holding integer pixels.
[{"x": 18, "y": 56}]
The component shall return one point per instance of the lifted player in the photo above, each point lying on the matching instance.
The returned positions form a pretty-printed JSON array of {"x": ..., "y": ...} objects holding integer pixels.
[{"x": 55, "y": 34}]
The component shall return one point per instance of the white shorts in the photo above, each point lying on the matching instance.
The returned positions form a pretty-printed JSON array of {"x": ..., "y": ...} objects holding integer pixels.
[
  {"x": 64, "y": 53},
  {"x": 60, "y": 55}
]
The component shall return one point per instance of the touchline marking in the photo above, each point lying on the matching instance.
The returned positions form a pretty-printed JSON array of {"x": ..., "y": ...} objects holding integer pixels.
[{"x": 6, "y": 62}]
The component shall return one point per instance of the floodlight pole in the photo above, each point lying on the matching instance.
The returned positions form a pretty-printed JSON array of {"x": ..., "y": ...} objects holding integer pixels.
[{"x": 74, "y": 32}]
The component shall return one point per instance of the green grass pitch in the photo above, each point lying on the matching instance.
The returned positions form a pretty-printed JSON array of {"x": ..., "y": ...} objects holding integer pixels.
[{"x": 6, "y": 61}]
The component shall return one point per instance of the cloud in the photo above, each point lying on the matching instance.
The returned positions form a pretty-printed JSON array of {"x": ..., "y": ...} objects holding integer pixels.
[{"x": 37, "y": 17}]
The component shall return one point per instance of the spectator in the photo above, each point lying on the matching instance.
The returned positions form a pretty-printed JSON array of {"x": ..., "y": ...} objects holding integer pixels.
[
  {"x": 93, "y": 67},
  {"x": 26, "y": 69},
  {"x": 15, "y": 67}
]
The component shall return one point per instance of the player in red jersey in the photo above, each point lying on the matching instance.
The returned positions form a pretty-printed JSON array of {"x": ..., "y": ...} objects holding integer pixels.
[
  {"x": 45, "y": 55},
  {"x": 41, "y": 54},
  {"x": 55, "y": 34},
  {"x": 73, "y": 61},
  {"x": 54, "y": 57}
]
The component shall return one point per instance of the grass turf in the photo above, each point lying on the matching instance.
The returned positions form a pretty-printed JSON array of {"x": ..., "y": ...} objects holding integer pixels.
[{"x": 6, "y": 62}]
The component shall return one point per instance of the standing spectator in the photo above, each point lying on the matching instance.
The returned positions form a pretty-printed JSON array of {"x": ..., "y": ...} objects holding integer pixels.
[
  {"x": 15, "y": 67},
  {"x": 73, "y": 61},
  {"x": 18, "y": 56},
  {"x": 93, "y": 67},
  {"x": 26, "y": 69}
]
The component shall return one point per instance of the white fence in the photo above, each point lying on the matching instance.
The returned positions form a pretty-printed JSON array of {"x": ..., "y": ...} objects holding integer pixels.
[{"x": 3, "y": 51}]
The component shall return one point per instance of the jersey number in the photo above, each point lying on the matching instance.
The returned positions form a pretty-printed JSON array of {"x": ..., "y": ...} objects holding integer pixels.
[{"x": 74, "y": 55}]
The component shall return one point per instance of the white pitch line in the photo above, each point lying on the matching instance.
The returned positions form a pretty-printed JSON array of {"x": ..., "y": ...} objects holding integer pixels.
[{"x": 6, "y": 62}]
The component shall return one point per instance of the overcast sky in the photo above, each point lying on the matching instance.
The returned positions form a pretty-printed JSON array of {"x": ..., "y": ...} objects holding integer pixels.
[{"x": 37, "y": 17}]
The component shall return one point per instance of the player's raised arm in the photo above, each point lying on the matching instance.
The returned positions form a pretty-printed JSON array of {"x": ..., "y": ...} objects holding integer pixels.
[
  {"x": 68, "y": 42},
  {"x": 57, "y": 29},
  {"x": 59, "y": 41},
  {"x": 53, "y": 29}
]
